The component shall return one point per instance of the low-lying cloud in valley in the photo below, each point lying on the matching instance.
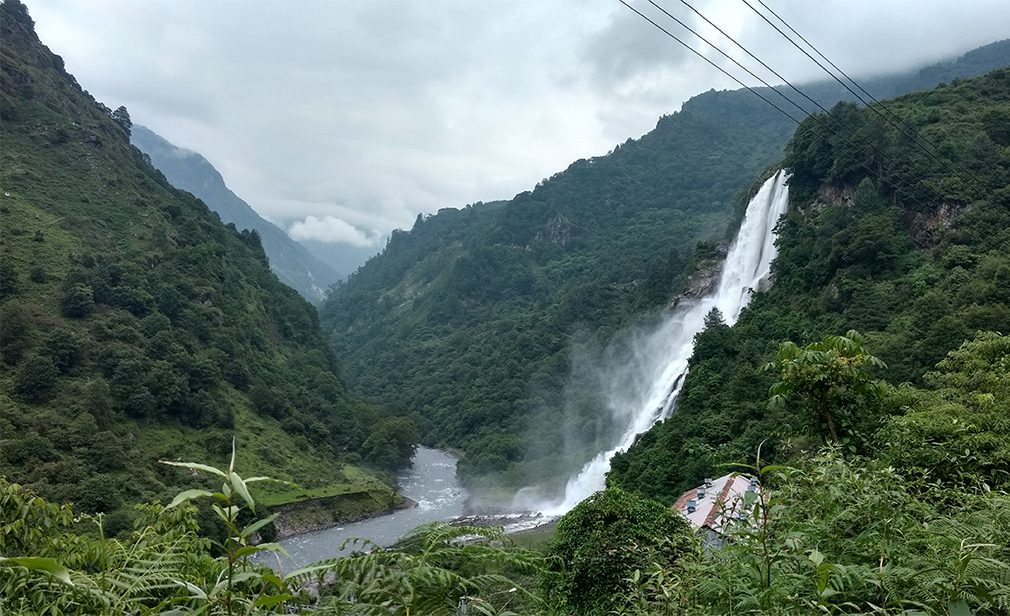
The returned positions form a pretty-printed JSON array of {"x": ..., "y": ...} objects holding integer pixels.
[{"x": 331, "y": 229}]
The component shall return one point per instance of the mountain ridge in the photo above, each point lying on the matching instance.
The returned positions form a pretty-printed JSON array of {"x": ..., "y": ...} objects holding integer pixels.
[
  {"x": 913, "y": 256},
  {"x": 190, "y": 171},
  {"x": 503, "y": 290},
  {"x": 135, "y": 326}
]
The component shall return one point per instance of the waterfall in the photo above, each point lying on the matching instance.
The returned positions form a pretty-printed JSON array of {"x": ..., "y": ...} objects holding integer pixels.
[{"x": 661, "y": 359}]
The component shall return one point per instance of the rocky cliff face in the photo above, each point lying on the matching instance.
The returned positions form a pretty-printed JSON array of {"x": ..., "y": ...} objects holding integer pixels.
[{"x": 704, "y": 279}]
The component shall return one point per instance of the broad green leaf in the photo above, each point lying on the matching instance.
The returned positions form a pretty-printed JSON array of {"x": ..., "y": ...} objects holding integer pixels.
[
  {"x": 186, "y": 495},
  {"x": 194, "y": 590},
  {"x": 311, "y": 569},
  {"x": 271, "y": 601},
  {"x": 196, "y": 467},
  {"x": 45, "y": 565},
  {"x": 221, "y": 514},
  {"x": 255, "y": 526},
  {"x": 240, "y": 488},
  {"x": 263, "y": 547},
  {"x": 958, "y": 608}
]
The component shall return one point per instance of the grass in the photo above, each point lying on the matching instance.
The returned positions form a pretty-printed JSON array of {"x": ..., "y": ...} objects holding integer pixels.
[
  {"x": 535, "y": 538},
  {"x": 264, "y": 449}
]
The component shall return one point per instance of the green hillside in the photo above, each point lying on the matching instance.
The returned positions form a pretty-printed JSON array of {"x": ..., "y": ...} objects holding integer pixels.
[
  {"x": 917, "y": 261},
  {"x": 192, "y": 172},
  {"x": 469, "y": 319},
  {"x": 135, "y": 325}
]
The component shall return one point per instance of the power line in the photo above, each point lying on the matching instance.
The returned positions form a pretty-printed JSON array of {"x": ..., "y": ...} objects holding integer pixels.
[
  {"x": 911, "y": 135},
  {"x": 843, "y": 73},
  {"x": 896, "y": 183},
  {"x": 702, "y": 56},
  {"x": 851, "y": 130}
]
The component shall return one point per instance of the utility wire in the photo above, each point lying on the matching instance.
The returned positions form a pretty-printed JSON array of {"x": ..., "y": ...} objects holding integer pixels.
[
  {"x": 916, "y": 136},
  {"x": 910, "y": 135},
  {"x": 747, "y": 51},
  {"x": 894, "y": 183},
  {"x": 852, "y": 131},
  {"x": 844, "y": 74},
  {"x": 702, "y": 56}
]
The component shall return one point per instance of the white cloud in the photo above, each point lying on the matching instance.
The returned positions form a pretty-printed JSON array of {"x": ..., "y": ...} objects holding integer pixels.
[
  {"x": 331, "y": 230},
  {"x": 391, "y": 108}
]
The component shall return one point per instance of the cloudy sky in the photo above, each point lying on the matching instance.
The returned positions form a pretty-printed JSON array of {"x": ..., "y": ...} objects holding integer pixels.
[{"x": 343, "y": 119}]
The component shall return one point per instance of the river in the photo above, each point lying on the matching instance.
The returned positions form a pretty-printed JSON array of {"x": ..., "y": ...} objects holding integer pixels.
[{"x": 431, "y": 482}]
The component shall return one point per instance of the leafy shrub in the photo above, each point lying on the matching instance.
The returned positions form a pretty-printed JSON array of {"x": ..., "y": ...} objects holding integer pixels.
[
  {"x": 8, "y": 279},
  {"x": 607, "y": 537},
  {"x": 35, "y": 377},
  {"x": 77, "y": 301},
  {"x": 65, "y": 347}
]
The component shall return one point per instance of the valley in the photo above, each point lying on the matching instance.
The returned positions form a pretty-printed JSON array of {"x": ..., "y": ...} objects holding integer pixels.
[{"x": 515, "y": 405}]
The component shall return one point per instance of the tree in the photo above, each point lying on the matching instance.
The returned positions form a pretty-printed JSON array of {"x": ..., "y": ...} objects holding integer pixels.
[
  {"x": 606, "y": 538},
  {"x": 392, "y": 442},
  {"x": 35, "y": 376},
  {"x": 8, "y": 279},
  {"x": 65, "y": 347},
  {"x": 830, "y": 381},
  {"x": 714, "y": 319},
  {"x": 122, "y": 117},
  {"x": 77, "y": 301},
  {"x": 15, "y": 331},
  {"x": 955, "y": 431}
]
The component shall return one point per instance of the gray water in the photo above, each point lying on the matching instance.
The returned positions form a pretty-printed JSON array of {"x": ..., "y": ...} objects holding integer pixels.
[{"x": 431, "y": 482}]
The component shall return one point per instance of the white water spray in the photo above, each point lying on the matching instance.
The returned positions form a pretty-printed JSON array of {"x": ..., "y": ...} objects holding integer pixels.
[{"x": 661, "y": 359}]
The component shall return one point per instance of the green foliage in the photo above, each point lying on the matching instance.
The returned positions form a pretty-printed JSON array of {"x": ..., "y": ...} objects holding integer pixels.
[
  {"x": 164, "y": 568},
  {"x": 916, "y": 261},
  {"x": 954, "y": 431},
  {"x": 15, "y": 331},
  {"x": 122, "y": 118},
  {"x": 77, "y": 301},
  {"x": 35, "y": 377},
  {"x": 833, "y": 383},
  {"x": 153, "y": 322},
  {"x": 392, "y": 442},
  {"x": 844, "y": 536},
  {"x": 607, "y": 537},
  {"x": 9, "y": 280},
  {"x": 438, "y": 569},
  {"x": 65, "y": 347}
]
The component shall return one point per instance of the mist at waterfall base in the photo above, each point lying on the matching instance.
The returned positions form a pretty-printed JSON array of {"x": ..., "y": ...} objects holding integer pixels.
[{"x": 635, "y": 379}]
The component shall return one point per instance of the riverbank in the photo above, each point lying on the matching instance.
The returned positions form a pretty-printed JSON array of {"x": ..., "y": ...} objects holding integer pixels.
[
  {"x": 327, "y": 512},
  {"x": 430, "y": 483}
]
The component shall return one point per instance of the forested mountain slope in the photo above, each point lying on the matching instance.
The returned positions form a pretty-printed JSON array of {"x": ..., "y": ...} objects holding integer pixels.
[
  {"x": 134, "y": 324},
  {"x": 916, "y": 256},
  {"x": 468, "y": 319},
  {"x": 192, "y": 172}
]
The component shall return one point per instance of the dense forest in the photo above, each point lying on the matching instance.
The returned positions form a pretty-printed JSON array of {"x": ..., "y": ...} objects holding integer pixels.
[
  {"x": 136, "y": 326},
  {"x": 155, "y": 373},
  {"x": 914, "y": 255},
  {"x": 470, "y": 321}
]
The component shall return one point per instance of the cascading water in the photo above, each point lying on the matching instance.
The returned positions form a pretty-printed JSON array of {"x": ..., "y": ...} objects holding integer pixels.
[{"x": 661, "y": 360}]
